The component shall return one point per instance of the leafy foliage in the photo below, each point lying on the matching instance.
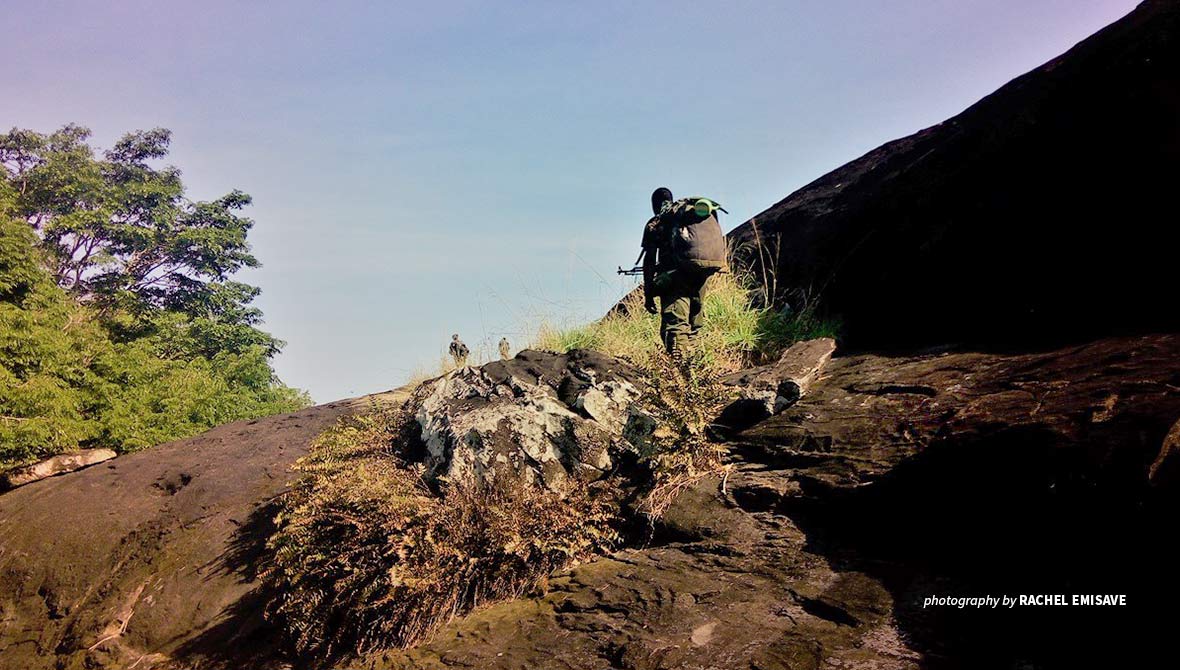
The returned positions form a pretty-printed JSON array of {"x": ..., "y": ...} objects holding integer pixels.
[
  {"x": 368, "y": 556},
  {"x": 46, "y": 346},
  {"x": 96, "y": 351},
  {"x": 118, "y": 233}
]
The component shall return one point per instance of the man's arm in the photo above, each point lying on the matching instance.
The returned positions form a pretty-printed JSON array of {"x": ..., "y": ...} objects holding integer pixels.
[
  {"x": 650, "y": 253},
  {"x": 649, "y": 276}
]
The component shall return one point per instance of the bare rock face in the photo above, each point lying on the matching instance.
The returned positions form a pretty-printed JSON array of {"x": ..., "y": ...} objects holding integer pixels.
[
  {"x": 151, "y": 560},
  {"x": 56, "y": 465},
  {"x": 976, "y": 473},
  {"x": 891, "y": 480},
  {"x": 540, "y": 418},
  {"x": 770, "y": 389}
]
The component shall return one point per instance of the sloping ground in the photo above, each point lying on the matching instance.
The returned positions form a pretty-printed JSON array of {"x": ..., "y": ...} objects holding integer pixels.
[
  {"x": 734, "y": 590},
  {"x": 151, "y": 555},
  {"x": 961, "y": 474},
  {"x": 894, "y": 479},
  {"x": 1036, "y": 215}
]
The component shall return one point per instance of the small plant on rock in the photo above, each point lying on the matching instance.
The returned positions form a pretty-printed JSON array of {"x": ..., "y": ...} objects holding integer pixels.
[{"x": 684, "y": 395}]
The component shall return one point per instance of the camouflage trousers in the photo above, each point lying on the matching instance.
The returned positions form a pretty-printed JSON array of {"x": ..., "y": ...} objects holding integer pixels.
[{"x": 682, "y": 295}]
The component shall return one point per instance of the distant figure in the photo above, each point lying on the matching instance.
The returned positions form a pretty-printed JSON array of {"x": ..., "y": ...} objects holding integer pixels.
[
  {"x": 505, "y": 349},
  {"x": 459, "y": 351},
  {"x": 682, "y": 247}
]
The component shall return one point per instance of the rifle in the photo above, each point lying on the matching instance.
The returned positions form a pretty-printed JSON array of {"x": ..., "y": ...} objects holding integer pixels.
[{"x": 638, "y": 269}]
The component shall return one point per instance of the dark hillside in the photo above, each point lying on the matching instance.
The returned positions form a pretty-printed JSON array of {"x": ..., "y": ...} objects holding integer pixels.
[{"x": 1039, "y": 215}]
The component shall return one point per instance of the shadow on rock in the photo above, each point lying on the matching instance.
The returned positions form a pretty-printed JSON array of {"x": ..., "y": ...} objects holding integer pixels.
[
  {"x": 1008, "y": 515},
  {"x": 241, "y": 636}
]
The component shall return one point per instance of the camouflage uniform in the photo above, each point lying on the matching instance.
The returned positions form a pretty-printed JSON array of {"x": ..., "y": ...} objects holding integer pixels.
[
  {"x": 682, "y": 295},
  {"x": 682, "y": 250},
  {"x": 458, "y": 351},
  {"x": 505, "y": 349}
]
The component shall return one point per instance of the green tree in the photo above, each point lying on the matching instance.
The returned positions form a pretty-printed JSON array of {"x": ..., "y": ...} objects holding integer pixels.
[
  {"x": 119, "y": 233},
  {"x": 47, "y": 344},
  {"x": 119, "y": 323}
]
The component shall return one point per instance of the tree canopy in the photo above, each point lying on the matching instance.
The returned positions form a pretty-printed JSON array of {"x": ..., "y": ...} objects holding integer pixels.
[{"x": 120, "y": 324}]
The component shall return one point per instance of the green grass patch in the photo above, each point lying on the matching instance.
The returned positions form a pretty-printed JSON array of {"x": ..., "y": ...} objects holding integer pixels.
[{"x": 735, "y": 333}]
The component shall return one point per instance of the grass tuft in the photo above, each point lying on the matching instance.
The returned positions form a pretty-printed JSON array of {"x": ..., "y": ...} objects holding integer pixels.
[{"x": 735, "y": 334}]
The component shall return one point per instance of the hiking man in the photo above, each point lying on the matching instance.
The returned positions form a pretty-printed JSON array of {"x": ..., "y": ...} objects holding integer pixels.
[
  {"x": 505, "y": 349},
  {"x": 459, "y": 351},
  {"x": 682, "y": 247}
]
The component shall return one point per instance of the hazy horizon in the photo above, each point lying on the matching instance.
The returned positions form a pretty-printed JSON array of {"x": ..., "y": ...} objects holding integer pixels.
[{"x": 481, "y": 169}]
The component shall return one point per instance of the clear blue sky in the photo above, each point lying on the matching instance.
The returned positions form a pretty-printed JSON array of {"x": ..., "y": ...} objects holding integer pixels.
[{"x": 478, "y": 167}]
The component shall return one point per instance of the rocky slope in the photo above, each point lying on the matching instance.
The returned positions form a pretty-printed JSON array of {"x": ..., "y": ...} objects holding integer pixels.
[
  {"x": 1030, "y": 223},
  {"x": 152, "y": 555},
  {"x": 1041, "y": 213},
  {"x": 894, "y": 479}
]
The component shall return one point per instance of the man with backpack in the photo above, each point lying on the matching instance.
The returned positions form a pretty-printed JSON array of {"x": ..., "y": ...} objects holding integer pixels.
[
  {"x": 459, "y": 351},
  {"x": 682, "y": 247}
]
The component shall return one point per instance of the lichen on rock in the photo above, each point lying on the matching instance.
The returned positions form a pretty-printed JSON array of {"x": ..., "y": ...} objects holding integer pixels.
[{"x": 538, "y": 419}]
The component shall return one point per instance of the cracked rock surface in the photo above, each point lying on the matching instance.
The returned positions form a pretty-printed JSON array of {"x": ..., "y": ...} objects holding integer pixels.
[{"x": 539, "y": 417}]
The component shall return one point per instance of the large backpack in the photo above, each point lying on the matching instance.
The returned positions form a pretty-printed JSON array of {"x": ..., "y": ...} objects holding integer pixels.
[{"x": 691, "y": 236}]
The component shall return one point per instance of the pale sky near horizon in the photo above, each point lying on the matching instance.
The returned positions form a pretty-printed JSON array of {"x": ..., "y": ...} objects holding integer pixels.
[{"x": 480, "y": 167}]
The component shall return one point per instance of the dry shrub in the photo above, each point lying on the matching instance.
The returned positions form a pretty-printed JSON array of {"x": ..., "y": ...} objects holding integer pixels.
[
  {"x": 368, "y": 556},
  {"x": 683, "y": 396}
]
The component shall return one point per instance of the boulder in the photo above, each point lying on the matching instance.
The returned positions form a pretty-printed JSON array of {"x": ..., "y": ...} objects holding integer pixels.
[
  {"x": 56, "y": 465},
  {"x": 539, "y": 418}
]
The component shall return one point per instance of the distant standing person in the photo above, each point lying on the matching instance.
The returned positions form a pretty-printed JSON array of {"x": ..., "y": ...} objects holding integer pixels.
[
  {"x": 505, "y": 349},
  {"x": 682, "y": 247},
  {"x": 459, "y": 351}
]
